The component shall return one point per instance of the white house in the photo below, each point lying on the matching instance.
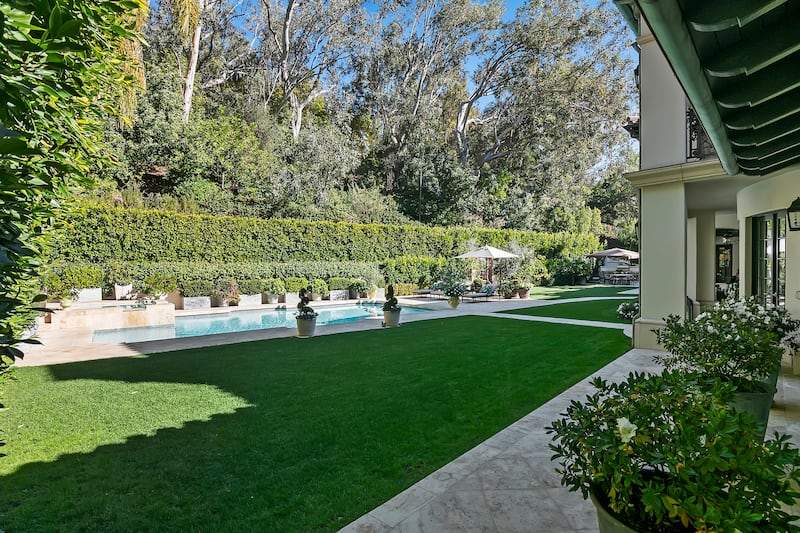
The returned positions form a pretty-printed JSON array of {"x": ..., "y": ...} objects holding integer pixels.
[{"x": 714, "y": 200}]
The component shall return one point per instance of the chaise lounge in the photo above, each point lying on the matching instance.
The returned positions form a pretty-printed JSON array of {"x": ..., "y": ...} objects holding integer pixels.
[{"x": 486, "y": 292}]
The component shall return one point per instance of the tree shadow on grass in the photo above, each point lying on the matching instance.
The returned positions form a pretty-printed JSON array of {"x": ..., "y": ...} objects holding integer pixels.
[{"x": 337, "y": 425}]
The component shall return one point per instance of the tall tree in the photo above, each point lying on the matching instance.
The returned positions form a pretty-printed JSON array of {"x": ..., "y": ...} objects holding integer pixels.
[
  {"x": 188, "y": 19},
  {"x": 304, "y": 47}
]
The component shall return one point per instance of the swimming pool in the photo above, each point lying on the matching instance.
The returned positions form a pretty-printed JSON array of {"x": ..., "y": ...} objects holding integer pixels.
[{"x": 233, "y": 321}]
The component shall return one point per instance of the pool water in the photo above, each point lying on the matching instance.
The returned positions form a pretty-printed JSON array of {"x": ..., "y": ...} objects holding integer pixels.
[{"x": 233, "y": 321}]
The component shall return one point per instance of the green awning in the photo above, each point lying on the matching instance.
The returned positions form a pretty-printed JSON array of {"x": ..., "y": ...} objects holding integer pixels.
[{"x": 739, "y": 63}]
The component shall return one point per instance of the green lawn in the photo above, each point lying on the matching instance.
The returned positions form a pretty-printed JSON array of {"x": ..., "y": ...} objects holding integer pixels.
[
  {"x": 575, "y": 291},
  {"x": 597, "y": 310},
  {"x": 284, "y": 435}
]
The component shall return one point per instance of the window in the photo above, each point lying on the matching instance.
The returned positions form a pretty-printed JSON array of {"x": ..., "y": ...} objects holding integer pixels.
[{"x": 769, "y": 259}]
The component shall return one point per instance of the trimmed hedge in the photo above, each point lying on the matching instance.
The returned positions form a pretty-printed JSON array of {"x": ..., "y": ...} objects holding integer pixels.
[{"x": 101, "y": 234}]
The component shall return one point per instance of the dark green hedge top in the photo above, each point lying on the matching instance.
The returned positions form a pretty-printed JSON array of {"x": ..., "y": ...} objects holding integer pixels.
[{"x": 94, "y": 235}]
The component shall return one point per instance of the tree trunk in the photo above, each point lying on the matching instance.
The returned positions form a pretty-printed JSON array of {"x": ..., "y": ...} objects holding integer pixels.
[{"x": 191, "y": 72}]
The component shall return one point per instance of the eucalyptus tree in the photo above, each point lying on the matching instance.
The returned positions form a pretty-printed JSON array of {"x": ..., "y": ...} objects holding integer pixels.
[
  {"x": 417, "y": 55},
  {"x": 304, "y": 48}
]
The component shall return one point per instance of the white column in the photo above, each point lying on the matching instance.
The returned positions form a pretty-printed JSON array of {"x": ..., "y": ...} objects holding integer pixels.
[
  {"x": 706, "y": 262},
  {"x": 663, "y": 259}
]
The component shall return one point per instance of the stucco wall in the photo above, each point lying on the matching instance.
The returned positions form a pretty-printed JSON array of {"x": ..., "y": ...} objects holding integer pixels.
[{"x": 765, "y": 197}]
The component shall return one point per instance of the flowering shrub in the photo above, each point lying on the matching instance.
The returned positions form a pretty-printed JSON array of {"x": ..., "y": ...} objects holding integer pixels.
[
  {"x": 663, "y": 453},
  {"x": 628, "y": 310},
  {"x": 737, "y": 341},
  {"x": 455, "y": 289}
]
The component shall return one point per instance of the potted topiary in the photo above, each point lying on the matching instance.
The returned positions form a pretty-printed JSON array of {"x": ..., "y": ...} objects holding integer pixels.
[
  {"x": 664, "y": 453},
  {"x": 319, "y": 289},
  {"x": 391, "y": 310},
  {"x": 121, "y": 279},
  {"x": 305, "y": 315}
]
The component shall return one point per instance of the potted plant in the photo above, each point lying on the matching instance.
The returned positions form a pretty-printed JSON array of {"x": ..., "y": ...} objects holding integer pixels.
[
  {"x": 158, "y": 285},
  {"x": 319, "y": 289},
  {"x": 734, "y": 341},
  {"x": 196, "y": 294},
  {"x": 628, "y": 310},
  {"x": 250, "y": 291},
  {"x": 121, "y": 279},
  {"x": 391, "y": 310},
  {"x": 339, "y": 288},
  {"x": 454, "y": 291},
  {"x": 305, "y": 315},
  {"x": 272, "y": 290},
  {"x": 293, "y": 287},
  {"x": 664, "y": 453},
  {"x": 358, "y": 288},
  {"x": 523, "y": 289},
  {"x": 508, "y": 288},
  {"x": 225, "y": 293},
  {"x": 59, "y": 289}
]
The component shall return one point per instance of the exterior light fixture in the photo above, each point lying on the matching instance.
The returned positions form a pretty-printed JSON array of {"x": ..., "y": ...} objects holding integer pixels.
[{"x": 793, "y": 215}]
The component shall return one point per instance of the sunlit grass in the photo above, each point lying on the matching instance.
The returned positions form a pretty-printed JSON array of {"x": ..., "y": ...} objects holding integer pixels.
[
  {"x": 596, "y": 310},
  {"x": 278, "y": 435}
]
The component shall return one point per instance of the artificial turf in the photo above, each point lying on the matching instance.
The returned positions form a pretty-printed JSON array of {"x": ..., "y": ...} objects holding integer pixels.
[
  {"x": 596, "y": 310},
  {"x": 278, "y": 435}
]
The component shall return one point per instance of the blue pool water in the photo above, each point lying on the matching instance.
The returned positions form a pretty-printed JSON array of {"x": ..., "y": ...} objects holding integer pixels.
[{"x": 233, "y": 321}]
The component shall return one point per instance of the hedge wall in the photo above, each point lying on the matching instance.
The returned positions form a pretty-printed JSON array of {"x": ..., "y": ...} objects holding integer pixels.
[{"x": 100, "y": 235}]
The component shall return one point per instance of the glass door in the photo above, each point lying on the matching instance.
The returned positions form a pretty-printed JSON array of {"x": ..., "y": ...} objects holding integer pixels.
[{"x": 769, "y": 259}]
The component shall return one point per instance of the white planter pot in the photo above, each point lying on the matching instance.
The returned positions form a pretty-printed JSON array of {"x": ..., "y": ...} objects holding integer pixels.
[
  {"x": 122, "y": 292},
  {"x": 196, "y": 302},
  {"x": 306, "y": 327},
  {"x": 340, "y": 294},
  {"x": 316, "y": 297},
  {"x": 250, "y": 299},
  {"x": 92, "y": 294},
  {"x": 292, "y": 298},
  {"x": 391, "y": 319},
  {"x": 269, "y": 298}
]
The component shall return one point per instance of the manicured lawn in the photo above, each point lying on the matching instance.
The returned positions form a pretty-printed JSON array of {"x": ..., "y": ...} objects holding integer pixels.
[
  {"x": 576, "y": 291},
  {"x": 597, "y": 310},
  {"x": 279, "y": 435}
]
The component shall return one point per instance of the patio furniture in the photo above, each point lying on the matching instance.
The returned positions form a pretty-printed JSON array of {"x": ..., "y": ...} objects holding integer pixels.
[{"x": 486, "y": 292}]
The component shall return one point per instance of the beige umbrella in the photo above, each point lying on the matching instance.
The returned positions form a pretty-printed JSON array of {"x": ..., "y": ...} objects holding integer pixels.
[
  {"x": 487, "y": 252},
  {"x": 616, "y": 252}
]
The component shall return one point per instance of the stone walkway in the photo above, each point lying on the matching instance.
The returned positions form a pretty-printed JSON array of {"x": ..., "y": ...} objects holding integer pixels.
[{"x": 507, "y": 483}]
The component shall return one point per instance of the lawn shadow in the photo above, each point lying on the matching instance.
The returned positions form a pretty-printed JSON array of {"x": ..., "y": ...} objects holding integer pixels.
[{"x": 336, "y": 425}]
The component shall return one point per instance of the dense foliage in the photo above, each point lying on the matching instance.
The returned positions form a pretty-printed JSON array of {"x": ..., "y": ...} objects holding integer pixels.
[
  {"x": 444, "y": 112},
  {"x": 63, "y": 70},
  {"x": 102, "y": 235}
]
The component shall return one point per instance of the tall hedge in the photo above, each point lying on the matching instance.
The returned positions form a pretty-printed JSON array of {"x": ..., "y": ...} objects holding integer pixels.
[{"x": 98, "y": 235}]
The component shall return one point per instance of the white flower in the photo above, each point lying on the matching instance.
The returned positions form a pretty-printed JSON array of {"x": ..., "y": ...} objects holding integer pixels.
[{"x": 627, "y": 430}]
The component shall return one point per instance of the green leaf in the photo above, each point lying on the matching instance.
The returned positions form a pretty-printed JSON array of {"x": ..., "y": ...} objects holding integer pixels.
[
  {"x": 70, "y": 28},
  {"x": 55, "y": 20}
]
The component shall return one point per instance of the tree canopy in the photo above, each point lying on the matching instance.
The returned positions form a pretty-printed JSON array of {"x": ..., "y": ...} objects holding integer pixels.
[{"x": 436, "y": 111}]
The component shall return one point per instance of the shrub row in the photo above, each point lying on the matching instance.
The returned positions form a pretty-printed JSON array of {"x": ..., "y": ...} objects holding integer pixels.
[{"x": 101, "y": 234}]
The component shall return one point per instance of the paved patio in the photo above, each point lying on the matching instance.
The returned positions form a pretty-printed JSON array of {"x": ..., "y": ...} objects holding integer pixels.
[{"x": 506, "y": 484}]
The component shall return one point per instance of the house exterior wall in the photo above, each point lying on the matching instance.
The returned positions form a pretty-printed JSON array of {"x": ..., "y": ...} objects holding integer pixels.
[
  {"x": 769, "y": 196},
  {"x": 662, "y": 124}
]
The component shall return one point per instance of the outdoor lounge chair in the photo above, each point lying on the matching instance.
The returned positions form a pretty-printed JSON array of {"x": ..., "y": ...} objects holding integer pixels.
[{"x": 486, "y": 292}]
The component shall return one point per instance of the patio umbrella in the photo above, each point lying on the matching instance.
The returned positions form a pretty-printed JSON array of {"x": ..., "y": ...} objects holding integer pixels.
[
  {"x": 616, "y": 252},
  {"x": 490, "y": 253}
]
